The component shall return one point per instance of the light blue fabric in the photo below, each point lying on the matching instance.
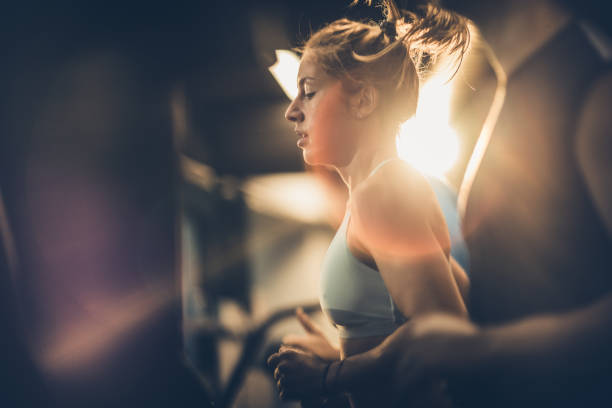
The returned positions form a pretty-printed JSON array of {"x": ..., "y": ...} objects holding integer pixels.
[
  {"x": 447, "y": 198},
  {"x": 354, "y": 296}
]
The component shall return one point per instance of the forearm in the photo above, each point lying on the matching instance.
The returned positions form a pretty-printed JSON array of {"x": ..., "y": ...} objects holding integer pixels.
[
  {"x": 352, "y": 373},
  {"x": 536, "y": 350},
  {"x": 543, "y": 346},
  {"x": 368, "y": 369}
]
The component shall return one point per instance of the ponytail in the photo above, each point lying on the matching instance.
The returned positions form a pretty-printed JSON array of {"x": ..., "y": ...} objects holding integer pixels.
[
  {"x": 429, "y": 34},
  {"x": 393, "y": 55}
]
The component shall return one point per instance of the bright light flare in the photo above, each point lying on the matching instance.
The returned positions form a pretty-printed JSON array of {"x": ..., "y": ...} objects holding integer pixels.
[
  {"x": 297, "y": 196},
  {"x": 285, "y": 71},
  {"x": 427, "y": 141}
]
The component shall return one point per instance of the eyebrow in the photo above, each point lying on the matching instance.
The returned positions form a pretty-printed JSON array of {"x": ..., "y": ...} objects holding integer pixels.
[{"x": 304, "y": 79}]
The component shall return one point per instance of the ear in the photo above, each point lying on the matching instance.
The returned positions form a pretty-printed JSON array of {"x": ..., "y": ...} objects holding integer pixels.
[{"x": 364, "y": 101}]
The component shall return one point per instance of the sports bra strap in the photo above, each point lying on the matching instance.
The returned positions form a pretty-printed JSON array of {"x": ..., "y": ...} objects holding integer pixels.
[{"x": 382, "y": 163}]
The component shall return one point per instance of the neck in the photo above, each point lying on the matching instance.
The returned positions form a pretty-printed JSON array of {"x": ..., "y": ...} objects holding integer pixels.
[
  {"x": 363, "y": 163},
  {"x": 521, "y": 28}
]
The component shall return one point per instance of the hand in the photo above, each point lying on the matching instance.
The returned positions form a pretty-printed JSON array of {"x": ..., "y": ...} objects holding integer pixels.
[
  {"x": 298, "y": 373},
  {"x": 435, "y": 346},
  {"x": 314, "y": 340}
]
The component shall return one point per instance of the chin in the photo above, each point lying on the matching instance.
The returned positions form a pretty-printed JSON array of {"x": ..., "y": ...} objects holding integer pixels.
[
  {"x": 324, "y": 158},
  {"x": 312, "y": 159},
  {"x": 308, "y": 157}
]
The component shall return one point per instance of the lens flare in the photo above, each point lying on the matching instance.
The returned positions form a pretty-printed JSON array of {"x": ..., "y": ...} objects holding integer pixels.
[{"x": 426, "y": 141}]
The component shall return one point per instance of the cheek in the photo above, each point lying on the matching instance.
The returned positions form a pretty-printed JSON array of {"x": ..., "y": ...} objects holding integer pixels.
[
  {"x": 329, "y": 121},
  {"x": 327, "y": 115}
]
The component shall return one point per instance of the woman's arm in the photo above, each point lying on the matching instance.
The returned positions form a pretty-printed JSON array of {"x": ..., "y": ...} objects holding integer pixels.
[
  {"x": 417, "y": 350},
  {"x": 536, "y": 348},
  {"x": 396, "y": 217}
]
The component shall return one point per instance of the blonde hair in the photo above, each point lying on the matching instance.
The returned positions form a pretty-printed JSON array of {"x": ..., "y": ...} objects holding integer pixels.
[{"x": 393, "y": 55}]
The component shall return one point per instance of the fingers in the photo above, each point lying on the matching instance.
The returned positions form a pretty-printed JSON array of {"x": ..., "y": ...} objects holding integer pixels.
[
  {"x": 273, "y": 360},
  {"x": 285, "y": 391},
  {"x": 307, "y": 322},
  {"x": 277, "y": 372},
  {"x": 295, "y": 372},
  {"x": 284, "y": 352},
  {"x": 287, "y": 350},
  {"x": 280, "y": 384}
]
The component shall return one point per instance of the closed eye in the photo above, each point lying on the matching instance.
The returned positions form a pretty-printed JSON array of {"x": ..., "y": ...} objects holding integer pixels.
[{"x": 309, "y": 95}]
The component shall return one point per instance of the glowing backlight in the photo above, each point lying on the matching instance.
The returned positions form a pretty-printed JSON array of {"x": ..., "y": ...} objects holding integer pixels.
[
  {"x": 285, "y": 71},
  {"x": 427, "y": 141}
]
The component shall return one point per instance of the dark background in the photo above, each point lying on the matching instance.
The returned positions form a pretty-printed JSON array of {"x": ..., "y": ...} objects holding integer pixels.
[{"x": 89, "y": 156}]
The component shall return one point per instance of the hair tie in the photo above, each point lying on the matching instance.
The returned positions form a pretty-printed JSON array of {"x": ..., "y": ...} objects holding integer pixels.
[{"x": 388, "y": 28}]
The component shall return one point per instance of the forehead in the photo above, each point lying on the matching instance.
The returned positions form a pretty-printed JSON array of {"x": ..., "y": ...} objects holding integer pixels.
[{"x": 310, "y": 69}]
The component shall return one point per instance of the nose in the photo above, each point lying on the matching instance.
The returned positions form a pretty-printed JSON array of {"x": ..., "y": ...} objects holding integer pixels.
[{"x": 294, "y": 113}]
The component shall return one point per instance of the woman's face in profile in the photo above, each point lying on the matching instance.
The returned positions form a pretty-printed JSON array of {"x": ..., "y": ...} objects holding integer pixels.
[{"x": 321, "y": 116}]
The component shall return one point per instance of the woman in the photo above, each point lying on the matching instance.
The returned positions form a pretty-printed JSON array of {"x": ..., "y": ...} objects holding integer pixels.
[{"x": 390, "y": 259}]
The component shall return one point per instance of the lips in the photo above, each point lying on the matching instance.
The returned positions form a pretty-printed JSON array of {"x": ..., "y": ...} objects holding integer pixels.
[{"x": 303, "y": 139}]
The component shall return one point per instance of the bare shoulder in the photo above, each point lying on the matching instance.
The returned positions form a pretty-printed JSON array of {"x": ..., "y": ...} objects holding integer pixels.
[
  {"x": 396, "y": 187},
  {"x": 393, "y": 207}
]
